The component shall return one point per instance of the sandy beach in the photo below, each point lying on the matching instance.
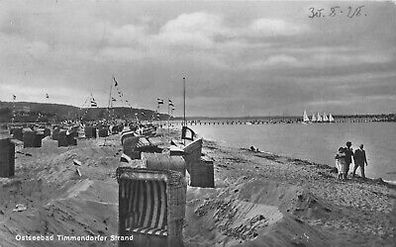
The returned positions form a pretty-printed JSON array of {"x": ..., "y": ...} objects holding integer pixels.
[{"x": 260, "y": 199}]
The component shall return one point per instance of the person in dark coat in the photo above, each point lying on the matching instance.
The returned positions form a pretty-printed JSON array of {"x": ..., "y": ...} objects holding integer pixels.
[
  {"x": 360, "y": 159},
  {"x": 348, "y": 157}
]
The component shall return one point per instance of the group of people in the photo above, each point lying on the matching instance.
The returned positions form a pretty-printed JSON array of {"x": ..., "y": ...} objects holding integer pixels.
[{"x": 344, "y": 159}]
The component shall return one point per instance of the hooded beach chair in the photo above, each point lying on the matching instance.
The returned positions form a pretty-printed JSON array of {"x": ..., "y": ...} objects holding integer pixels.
[
  {"x": 31, "y": 138},
  {"x": 152, "y": 206},
  {"x": 103, "y": 131},
  {"x": 7, "y": 157},
  {"x": 62, "y": 138},
  {"x": 17, "y": 133},
  {"x": 90, "y": 132},
  {"x": 129, "y": 146},
  {"x": 161, "y": 161},
  {"x": 200, "y": 168}
]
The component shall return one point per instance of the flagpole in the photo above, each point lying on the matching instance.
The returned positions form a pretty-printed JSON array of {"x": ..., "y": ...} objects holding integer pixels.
[
  {"x": 157, "y": 115},
  {"x": 110, "y": 105},
  {"x": 184, "y": 106},
  {"x": 13, "y": 108},
  {"x": 168, "y": 113},
  {"x": 184, "y": 101}
]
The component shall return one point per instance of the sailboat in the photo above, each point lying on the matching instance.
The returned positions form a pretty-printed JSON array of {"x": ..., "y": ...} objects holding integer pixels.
[
  {"x": 313, "y": 119},
  {"x": 331, "y": 119},
  {"x": 325, "y": 119},
  {"x": 305, "y": 117},
  {"x": 319, "y": 118}
]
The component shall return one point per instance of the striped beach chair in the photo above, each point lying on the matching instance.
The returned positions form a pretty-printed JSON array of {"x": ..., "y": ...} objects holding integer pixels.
[
  {"x": 151, "y": 206},
  {"x": 126, "y": 134}
]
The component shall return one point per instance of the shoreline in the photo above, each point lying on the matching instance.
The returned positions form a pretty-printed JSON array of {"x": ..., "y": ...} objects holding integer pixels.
[
  {"x": 307, "y": 161},
  {"x": 272, "y": 156},
  {"x": 314, "y": 196}
]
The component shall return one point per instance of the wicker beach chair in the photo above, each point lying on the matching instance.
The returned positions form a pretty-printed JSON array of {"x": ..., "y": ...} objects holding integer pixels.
[
  {"x": 31, "y": 138},
  {"x": 160, "y": 161},
  {"x": 7, "y": 157},
  {"x": 127, "y": 134},
  {"x": 192, "y": 153},
  {"x": 145, "y": 145},
  {"x": 55, "y": 133},
  {"x": 47, "y": 132},
  {"x": 90, "y": 132},
  {"x": 62, "y": 138},
  {"x": 71, "y": 140},
  {"x": 152, "y": 206},
  {"x": 133, "y": 146},
  {"x": 202, "y": 173},
  {"x": 103, "y": 132},
  {"x": 17, "y": 133},
  {"x": 129, "y": 147},
  {"x": 199, "y": 167}
]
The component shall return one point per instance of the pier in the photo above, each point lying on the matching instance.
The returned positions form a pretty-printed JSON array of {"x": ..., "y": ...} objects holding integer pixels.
[{"x": 279, "y": 120}]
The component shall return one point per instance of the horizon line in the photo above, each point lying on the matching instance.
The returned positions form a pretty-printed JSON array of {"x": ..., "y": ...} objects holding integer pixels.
[{"x": 196, "y": 117}]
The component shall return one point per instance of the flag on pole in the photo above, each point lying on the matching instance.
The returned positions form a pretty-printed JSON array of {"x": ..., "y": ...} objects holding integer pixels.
[
  {"x": 93, "y": 103},
  {"x": 115, "y": 81},
  {"x": 188, "y": 133}
]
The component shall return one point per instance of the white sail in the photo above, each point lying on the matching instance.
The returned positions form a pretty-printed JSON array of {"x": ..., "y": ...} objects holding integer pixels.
[
  {"x": 319, "y": 118},
  {"x": 313, "y": 119},
  {"x": 305, "y": 117},
  {"x": 331, "y": 119},
  {"x": 325, "y": 119}
]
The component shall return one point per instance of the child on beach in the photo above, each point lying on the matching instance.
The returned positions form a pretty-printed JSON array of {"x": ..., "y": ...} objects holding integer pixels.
[{"x": 341, "y": 163}]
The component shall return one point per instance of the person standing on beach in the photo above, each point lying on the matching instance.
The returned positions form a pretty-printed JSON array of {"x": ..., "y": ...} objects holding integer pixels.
[
  {"x": 360, "y": 159},
  {"x": 340, "y": 163},
  {"x": 348, "y": 157}
]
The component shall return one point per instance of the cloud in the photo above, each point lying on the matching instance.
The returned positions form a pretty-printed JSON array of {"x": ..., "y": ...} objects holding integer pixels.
[
  {"x": 196, "y": 30},
  {"x": 276, "y": 60},
  {"x": 120, "y": 54},
  {"x": 127, "y": 35},
  {"x": 198, "y": 22},
  {"x": 338, "y": 59},
  {"x": 275, "y": 27}
]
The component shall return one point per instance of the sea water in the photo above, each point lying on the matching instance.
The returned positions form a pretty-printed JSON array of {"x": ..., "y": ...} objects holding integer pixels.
[{"x": 315, "y": 142}]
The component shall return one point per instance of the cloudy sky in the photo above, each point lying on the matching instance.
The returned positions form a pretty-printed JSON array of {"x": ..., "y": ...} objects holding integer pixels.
[{"x": 239, "y": 58}]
